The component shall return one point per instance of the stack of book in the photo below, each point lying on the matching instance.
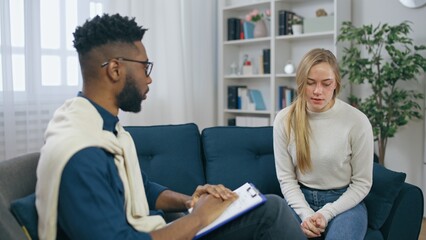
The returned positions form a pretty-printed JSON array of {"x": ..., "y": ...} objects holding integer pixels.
[
  {"x": 239, "y": 29},
  {"x": 234, "y": 28},
  {"x": 243, "y": 98},
  {"x": 284, "y": 22},
  {"x": 286, "y": 96}
]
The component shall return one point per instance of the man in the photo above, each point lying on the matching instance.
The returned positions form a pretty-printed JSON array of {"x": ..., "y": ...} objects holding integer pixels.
[{"x": 89, "y": 182}]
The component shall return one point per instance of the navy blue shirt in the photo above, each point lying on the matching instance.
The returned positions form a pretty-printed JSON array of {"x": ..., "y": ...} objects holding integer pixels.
[{"x": 91, "y": 194}]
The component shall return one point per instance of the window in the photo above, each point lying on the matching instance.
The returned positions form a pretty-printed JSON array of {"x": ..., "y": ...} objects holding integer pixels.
[{"x": 38, "y": 66}]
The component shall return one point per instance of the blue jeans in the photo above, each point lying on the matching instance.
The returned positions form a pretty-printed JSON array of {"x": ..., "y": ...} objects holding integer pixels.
[{"x": 351, "y": 224}]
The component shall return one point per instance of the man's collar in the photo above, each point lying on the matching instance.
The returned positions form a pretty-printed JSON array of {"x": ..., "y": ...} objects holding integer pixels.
[{"x": 110, "y": 121}]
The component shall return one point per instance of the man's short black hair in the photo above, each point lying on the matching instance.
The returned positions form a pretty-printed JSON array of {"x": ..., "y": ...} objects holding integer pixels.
[{"x": 106, "y": 29}]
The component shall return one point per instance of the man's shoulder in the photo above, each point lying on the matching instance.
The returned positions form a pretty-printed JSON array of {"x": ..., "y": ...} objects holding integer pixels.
[{"x": 90, "y": 157}]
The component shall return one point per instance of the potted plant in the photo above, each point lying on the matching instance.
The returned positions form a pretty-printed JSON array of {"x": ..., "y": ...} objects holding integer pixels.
[
  {"x": 383, "y": 56},
  {"x": 296, "y": 25}
]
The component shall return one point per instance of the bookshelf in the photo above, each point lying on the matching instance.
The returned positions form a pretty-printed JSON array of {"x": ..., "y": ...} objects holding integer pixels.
[{"x": 283, "y": 49}]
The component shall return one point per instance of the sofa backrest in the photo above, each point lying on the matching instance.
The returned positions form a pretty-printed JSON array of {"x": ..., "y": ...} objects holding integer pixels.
[
  {"x": 235, "y": 155},
  {"x": 170, "y": 155},
  {"x": 17, "y": 180}
]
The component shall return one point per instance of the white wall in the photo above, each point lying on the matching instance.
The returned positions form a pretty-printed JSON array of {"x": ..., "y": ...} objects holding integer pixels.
[{"x": 406, "y": 151}]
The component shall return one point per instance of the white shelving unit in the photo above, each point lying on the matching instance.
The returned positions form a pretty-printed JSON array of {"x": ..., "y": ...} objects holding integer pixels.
[{"x": 283, "y": 48}]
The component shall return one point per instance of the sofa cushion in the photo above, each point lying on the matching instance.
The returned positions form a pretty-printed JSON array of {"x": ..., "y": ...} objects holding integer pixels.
[
  {"x": 386, "y": 186},
  {"x": 235, "y": 155},
  {"x": 25, "y": 212},
  {"x": 170, "y": 155},
  {"x": 373, "y": 234}
]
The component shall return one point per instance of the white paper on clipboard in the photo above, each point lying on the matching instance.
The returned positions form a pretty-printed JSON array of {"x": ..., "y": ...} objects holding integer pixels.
[{"x": 248, "y": 198}]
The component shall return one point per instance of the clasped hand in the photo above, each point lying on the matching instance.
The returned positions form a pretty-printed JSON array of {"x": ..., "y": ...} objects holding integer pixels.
[
  {"x": 209, "y": 201},
  {"x": 314, "y": 225},
  {"x": 217, "y": 191}
]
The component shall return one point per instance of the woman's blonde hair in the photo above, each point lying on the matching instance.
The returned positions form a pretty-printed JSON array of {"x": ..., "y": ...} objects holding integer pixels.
[{"x": 297, "y": 118}]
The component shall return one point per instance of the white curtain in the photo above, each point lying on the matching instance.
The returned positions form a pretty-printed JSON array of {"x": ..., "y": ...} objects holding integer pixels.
[
  {"x": 38, "y": 67},
  {"x": 182, "y": 42}
]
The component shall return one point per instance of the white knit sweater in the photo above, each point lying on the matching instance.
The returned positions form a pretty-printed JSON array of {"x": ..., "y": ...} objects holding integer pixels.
[
  {"x": 77, "y": 125},
  {"x": 342, "y": 146}
]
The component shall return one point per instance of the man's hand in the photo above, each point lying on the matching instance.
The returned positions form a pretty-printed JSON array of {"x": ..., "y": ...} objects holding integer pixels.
[
  {"x": 314, "y": 225},
  {"x": 209, "y": 207},
  {"x": 217, "y": 191}
]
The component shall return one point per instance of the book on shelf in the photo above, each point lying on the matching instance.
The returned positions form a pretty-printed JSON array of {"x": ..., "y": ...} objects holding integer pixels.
[
  {"x": 238, "y": 98},
  {"x": 241, "y": 29},
  {"x": 234, "y": 28},
  {"x": 233, "y": 96},
  {"x": 243, "y": 99},
  {"x": 286, "y": 96},
  {"x": 248, "y": 30},
  {"x": 281, "y": 23},
  {"x": 261, "y": 70},
  {"x": 231, "y": 122},
  {"x": 257, "y": 98},
  {"x": 284, "y": 23},
  {"x": 266, "y": 56}
]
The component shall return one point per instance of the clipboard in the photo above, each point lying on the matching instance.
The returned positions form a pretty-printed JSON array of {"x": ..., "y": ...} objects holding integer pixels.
[{"x": 248, "y": 198}]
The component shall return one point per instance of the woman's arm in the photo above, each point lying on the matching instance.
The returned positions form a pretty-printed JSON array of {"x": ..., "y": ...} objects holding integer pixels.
[{"x": 286, "y": 170}]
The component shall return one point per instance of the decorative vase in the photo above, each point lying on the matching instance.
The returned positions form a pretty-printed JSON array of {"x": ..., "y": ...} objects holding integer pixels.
[
  {"x": 260, "y": 29},
  {"x": 297, "y": 29},
  {"x": 289, "y": 68}
]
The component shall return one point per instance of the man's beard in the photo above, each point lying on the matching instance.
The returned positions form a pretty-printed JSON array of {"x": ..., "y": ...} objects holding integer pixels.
[{"x": 130, "y": 99}]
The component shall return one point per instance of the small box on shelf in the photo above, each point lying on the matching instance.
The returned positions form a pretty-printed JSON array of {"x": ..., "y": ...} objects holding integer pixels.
[
  {"x": 318, "y": 24},
  {"x": 251, "y": 121},
  {"x": 247, "y": 70}
]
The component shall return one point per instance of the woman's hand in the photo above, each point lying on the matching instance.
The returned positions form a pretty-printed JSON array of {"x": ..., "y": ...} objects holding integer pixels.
[{"x": 314, "y": 225}]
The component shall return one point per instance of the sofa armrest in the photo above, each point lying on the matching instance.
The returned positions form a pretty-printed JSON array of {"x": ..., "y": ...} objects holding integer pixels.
[
  {"x": 405, "y": 218},
  {"x": 9, "y": 226}
]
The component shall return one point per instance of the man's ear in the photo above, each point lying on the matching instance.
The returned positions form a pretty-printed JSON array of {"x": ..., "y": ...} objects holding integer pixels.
[{"x": 113, "y": 69}]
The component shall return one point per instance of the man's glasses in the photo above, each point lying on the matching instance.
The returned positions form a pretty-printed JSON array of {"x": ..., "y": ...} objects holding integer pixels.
[{"x": 148, "y": 65}]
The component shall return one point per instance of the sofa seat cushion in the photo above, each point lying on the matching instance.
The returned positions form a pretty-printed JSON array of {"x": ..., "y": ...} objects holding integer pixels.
[
  {"x": 373, "y": 235},
  {"x": 385, "y": 189},
  {"x": 25, "y": 212},
  {"x": 170, "y": 155},
  {"x": 235, "y": 155}
]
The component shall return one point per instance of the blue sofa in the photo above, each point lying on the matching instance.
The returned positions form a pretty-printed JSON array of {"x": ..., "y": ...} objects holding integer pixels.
[{"x": 180, "y": 157}]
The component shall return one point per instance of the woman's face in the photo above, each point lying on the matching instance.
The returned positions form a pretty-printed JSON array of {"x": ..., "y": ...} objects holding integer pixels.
[{"x": 320, "y": 87}]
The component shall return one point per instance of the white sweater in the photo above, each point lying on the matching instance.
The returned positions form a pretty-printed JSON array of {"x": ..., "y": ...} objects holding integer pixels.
[
  {"x": 75, "y": 126},
  {"x": 342, "y": 148}
]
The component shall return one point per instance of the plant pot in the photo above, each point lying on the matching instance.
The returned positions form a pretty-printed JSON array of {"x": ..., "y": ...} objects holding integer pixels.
[
  {"x": 297, "y": 29},
  {"x": 260, "y": 29}
]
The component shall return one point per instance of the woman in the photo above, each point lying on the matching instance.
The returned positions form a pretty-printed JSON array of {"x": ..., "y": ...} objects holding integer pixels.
[{"x": 324, "y": 153}]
